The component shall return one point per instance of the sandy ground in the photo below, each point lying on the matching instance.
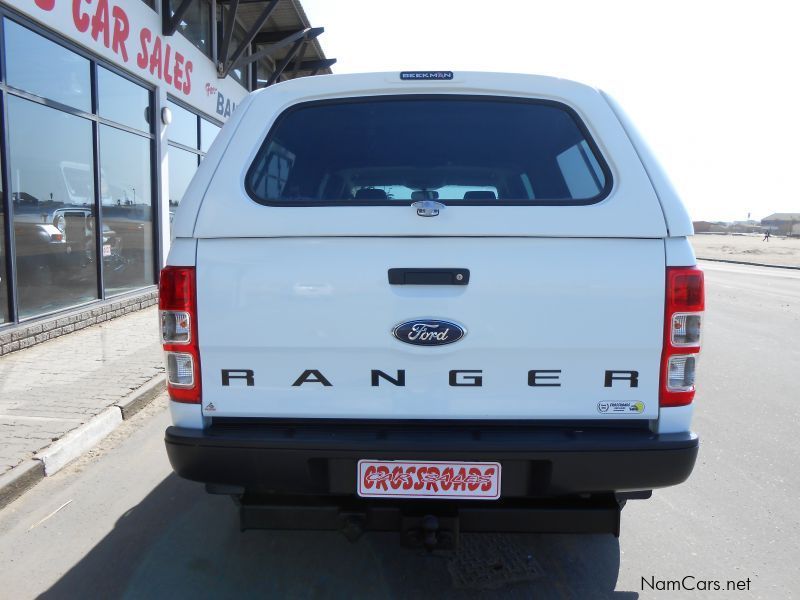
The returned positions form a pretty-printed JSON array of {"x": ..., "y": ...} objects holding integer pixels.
[{"x": 748, "y": 248}]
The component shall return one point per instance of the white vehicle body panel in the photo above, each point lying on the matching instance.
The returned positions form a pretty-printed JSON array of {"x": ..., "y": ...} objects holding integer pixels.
[
  {"x": 678, "y": 221},
  {"x": 675, "y": 419},
  {"x": 679, "y": 252},
  {"x": 532, "y": 304},
  {"x": 187, "y": 415}
]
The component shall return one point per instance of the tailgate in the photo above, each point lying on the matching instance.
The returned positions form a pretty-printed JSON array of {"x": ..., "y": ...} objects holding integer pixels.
[{"x": 555, "y": 328}]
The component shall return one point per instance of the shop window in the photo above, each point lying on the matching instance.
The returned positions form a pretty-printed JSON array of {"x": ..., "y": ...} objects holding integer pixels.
[
  {"x": 182, "y": 167},
  {"x": 195, "y": 24},
  {"x": 183, "y": 128},
  {"x": 3, "y": 278},
  {"x": 208, "y": 133},
  {"x": 127, "y": 210},
  {"x": 51, "y": 167},
  {"x": 59, "y": 251},
  {"x": 123, "y": 101},
  {"x": 194, "y": 134},
  {"x": 37, "y": 65}
]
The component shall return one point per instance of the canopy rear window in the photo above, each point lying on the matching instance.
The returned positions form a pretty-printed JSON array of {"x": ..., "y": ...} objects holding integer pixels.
[{"x": 473, "y": 150}]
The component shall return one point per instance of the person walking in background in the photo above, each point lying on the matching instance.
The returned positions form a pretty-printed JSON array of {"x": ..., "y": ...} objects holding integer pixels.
[{"x": 766, "y": 236}]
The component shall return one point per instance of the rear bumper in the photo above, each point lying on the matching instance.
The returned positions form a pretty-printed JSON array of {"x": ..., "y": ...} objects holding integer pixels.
[{"x": 537, "y": 462}]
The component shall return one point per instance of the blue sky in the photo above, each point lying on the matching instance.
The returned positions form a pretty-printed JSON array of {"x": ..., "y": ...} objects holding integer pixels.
[{"x": 714, "y": 86}]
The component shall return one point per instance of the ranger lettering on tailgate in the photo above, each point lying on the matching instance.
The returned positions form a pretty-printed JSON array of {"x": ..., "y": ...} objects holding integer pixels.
[{"x": 536, "y": 377}]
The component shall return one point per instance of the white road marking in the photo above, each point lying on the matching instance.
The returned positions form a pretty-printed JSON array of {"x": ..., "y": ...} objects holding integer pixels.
[{"x": 39, "y": 522}]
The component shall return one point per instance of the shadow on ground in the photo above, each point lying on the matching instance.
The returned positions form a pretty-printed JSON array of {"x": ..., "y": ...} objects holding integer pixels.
[{"x": 180, "y": 542}]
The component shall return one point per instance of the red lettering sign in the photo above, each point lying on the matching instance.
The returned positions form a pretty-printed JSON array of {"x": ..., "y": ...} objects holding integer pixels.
[
  {"x": 100, "y": 22},
  {"x": 167, "y": 74},
  {"x": 108, "y": 24},
  {"x": 80, "y": 19},
  {"x": 177, "y": 71},
  {"x": 144, "y": 37},
  {"x": 121, "y": 31},
  {"x": 430, "y": 480},
  {"x": 187, "y": 85}
]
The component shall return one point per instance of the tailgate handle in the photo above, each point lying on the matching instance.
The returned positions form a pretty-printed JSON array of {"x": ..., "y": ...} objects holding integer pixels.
[{"x": 429, "y": 276}]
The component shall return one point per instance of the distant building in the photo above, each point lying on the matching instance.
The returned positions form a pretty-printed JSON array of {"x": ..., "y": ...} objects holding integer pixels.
[
  {"x": 749, "y": 226},
  {"x": 782, "y": 223},
  {"x": 709, "y": 227}
]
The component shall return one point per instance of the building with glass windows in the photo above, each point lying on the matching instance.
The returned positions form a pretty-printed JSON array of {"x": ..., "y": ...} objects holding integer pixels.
[{"x": 106, "y": 109}]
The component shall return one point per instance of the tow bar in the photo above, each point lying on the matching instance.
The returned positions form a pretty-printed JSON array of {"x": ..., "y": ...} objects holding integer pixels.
[{"x": 432, "y": 525}]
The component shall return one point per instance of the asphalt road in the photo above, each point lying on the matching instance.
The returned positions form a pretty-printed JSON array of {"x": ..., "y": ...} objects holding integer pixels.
[{"x": 128, "y": 528}]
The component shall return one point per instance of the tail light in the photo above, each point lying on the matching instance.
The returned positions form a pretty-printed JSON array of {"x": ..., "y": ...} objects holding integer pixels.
[
  {"x": 177, "y": 303},
  {"x": 683, "y": 317}
]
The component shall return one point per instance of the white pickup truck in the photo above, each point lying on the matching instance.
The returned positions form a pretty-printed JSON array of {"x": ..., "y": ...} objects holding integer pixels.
[{"x": 431, "y": 302}]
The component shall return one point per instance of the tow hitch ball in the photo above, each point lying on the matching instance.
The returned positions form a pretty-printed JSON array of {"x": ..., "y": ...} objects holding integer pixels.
[{"x": 430, "y": 532}]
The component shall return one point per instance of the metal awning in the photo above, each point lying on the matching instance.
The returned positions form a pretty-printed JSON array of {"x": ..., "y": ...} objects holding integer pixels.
[{"x": 277, "y": 33}]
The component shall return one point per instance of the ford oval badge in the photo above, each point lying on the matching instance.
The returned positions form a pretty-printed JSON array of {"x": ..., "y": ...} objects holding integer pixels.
[{"x": 428, "y": 332}]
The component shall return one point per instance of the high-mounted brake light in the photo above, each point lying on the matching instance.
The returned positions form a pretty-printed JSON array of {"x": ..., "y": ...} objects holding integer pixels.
[
  {"x": 177, "y": 303},
  {"x": 683, "y": 316}
]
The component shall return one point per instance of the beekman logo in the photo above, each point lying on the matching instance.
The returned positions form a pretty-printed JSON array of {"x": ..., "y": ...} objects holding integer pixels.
[{"x": 429, "y": 75}]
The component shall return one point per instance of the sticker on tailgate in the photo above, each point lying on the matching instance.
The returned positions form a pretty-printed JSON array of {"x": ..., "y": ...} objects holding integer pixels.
[{"x": 428, "y": 479}]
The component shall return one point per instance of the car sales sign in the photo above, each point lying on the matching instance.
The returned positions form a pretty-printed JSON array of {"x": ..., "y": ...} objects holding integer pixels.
[{"x": 128, "y": 34}]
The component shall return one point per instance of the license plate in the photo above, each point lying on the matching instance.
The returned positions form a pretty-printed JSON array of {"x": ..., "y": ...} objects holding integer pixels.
[
  {"x": 106, "y": 249},
  {"x": 432, "y": 479}
]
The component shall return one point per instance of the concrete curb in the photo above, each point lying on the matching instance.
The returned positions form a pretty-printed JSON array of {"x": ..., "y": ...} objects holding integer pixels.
[
  {"x": 753, "y": 264},
  {"x": 52, "y": 459},
  {"x": 19, "y": 480},
  {"x": 56, "y": 456},
  {"x": 141, "y": 397}
]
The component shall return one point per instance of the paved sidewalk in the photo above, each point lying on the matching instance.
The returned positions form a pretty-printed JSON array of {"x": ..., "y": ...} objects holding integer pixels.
[{"x": 52, "y": 388}]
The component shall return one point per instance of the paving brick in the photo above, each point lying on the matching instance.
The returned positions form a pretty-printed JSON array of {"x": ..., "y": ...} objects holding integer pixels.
[{"x": 53, "y": 387}]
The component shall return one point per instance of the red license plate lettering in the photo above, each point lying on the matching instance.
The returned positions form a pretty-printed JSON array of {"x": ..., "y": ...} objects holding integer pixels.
[{"x": 433, "y": 479}]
